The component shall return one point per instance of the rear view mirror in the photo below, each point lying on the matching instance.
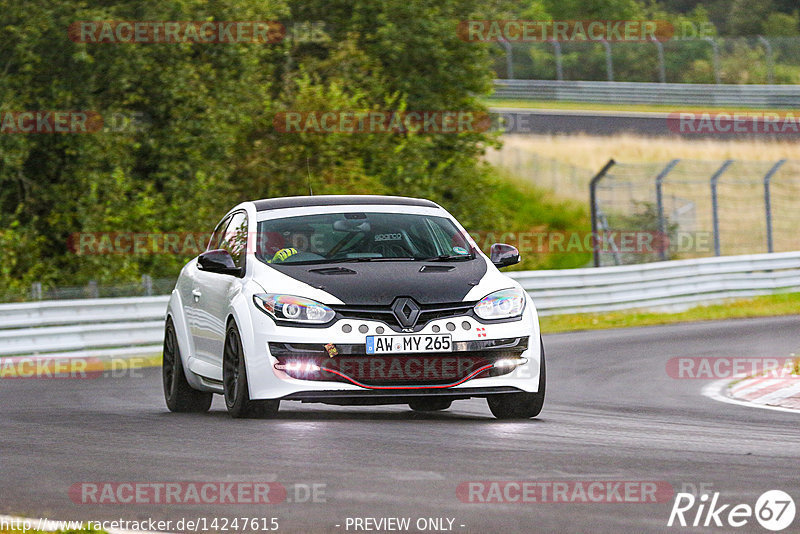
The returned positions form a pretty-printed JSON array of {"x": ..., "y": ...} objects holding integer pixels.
[
  {"x": 218, "y": 261},
  {"x": 503, "y": 255},
  {"x": 354, "y": 226}
]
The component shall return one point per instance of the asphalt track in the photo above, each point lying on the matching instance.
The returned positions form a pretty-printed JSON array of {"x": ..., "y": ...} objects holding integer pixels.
[
  {"x": 517, "y": 121},
  {"x": 612, "y": 413}
]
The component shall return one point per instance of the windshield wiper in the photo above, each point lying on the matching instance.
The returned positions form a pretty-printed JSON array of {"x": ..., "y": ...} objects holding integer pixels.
[
  {"x": 347, "y": 260},
  {"x": 449, "y": 257},
  {"x": 368, "y": 258}
]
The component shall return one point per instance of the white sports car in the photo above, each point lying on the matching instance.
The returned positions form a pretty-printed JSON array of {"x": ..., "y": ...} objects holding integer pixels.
[{"x": 350, "y": 300}]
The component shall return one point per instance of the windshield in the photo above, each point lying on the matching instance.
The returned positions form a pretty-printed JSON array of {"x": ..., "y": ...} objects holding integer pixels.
[{"x": 350, "y": 237}]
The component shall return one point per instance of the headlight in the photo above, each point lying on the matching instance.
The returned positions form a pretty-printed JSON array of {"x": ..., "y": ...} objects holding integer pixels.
[
  {"x": 291, "y": 308},
  {"x": 502, "y": 304}
]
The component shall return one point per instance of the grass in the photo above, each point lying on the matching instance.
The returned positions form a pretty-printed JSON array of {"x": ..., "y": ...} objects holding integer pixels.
[
  {"x": 764, "y": 306},
  {"x": 590, "y": 106},
  {"x": 536, "y": 212},
  {"x": 591, "y": 152},
  {"x": 566, "y": 164}
]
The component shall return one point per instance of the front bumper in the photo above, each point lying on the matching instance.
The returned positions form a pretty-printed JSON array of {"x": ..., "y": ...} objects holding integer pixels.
[{"x": 351, "y": 374}]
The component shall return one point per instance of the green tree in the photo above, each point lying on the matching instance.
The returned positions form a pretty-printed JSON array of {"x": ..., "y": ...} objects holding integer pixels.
[
  {"x": 747, "y": 17},
  {"x": 782, "y": 24}
]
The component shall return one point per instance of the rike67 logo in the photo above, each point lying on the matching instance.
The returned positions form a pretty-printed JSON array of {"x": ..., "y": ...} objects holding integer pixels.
[{"x": 774, "y": 510}]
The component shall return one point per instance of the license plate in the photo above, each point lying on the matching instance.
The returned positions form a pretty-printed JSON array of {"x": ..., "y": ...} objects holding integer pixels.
[{"x": 406, "y": 344}]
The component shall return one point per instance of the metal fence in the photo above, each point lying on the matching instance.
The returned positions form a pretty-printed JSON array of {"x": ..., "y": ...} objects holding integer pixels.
[
  {"x": 564, "y": 179},
  {"x": 674, "y": 94},
  {"x": 121, "y": 327},
  {"x": 698, "y": 208},
  {"x": 92, "y": 290},
  {"x": 739, "y": 60}
]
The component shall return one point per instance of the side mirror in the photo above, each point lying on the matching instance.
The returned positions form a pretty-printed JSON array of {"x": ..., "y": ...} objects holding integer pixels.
[
  {"x": 503, "y": 255},
  {"x": 218, "y": 261}
]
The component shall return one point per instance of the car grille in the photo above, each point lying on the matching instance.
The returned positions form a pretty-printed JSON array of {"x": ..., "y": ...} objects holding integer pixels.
[
  {"x": 384, "y": 314},
  {"x": 353, "y": 365}
]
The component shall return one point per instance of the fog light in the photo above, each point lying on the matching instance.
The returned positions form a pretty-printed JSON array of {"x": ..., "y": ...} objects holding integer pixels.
[
  {"x": 509, "y": 362},
  {"x": 297, "y": 366}
]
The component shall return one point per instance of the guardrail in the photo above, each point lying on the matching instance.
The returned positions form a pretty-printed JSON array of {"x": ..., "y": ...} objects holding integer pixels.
[
  {"x": 677, "y": 94},
  {"x": 128, "y": 326},
  {"x": 83, "y": 328},
  {"x": 668, "y": 284}
]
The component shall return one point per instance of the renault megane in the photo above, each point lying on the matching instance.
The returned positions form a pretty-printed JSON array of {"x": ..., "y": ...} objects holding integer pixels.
[{"x": 350, "y": 300}]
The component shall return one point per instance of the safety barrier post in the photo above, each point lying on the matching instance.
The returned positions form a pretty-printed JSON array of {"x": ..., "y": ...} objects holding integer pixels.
[
  {"x": 593, "y": 207},
  {"x": 715, "y": 204},
  {"x": 662, "y": 224}
]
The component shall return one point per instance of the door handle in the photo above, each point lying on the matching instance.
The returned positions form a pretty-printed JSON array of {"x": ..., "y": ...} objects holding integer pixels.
[{"x": 196, "y": 294}]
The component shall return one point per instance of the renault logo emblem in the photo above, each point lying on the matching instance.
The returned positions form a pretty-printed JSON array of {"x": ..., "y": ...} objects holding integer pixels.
[{"x": 406, "y": 311}]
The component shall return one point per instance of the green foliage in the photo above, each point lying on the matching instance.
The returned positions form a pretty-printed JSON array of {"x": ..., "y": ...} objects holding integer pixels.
[
  {"x": 688, "y": 56},
  {"x": 205, "y": 136},
  {"x": 537, "y": 215},
  {"x": 782, "y": 25},
  {"x": 644, "y": 219},
  {"x": 747, "y": 17}
]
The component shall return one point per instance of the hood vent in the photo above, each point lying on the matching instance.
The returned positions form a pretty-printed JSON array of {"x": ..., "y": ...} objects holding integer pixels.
[
  {"x": 332, "y": 270},
  {"x": 436, "y": 268}
]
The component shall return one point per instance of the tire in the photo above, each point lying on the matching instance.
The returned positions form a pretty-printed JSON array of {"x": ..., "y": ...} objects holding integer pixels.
[
  {"x": 520, "y": 405},
  {"x": 429, "y": 404},
  {"x": 180, "y": 396},
  {"x": 234, "y": 381}
]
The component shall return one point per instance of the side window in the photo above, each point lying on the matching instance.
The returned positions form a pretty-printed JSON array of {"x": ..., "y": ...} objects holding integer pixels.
[
  {"x": 234, "y": 239},
  {"x": 217, "y": 234}
]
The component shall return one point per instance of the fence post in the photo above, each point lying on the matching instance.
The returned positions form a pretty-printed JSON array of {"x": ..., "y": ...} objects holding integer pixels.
[
  {"x": 147, "y": 285},
  {"x": 662, "y": 69},
  {"x": 509, "y": 58},
  {"x": 715, "y": 51},
  {"x": 593, "y": 208},
  {"x": 559, "y": 65},
  {"x": 715, "y": 204},
  {"x": 36, "y": 291},
  {"x": 770, "y": 63},
  {"x": 768, "y": 202},
  {"x": 609, "y": 61},
  {"x": 662, "y": 224},
  {"x": 92, "y": 289}
]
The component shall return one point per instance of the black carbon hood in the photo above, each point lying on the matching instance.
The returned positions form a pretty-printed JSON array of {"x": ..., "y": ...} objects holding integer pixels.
[{"x": 382, "y": 282}]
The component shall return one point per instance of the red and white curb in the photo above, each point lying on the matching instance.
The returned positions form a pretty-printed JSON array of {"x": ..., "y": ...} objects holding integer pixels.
[{"x": 780, "y": 394}]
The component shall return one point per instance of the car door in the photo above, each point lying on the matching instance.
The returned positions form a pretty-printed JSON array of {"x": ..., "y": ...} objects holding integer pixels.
[
  {"x": 191, "y": 293},
  {"x": 212, "y": 293}
]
